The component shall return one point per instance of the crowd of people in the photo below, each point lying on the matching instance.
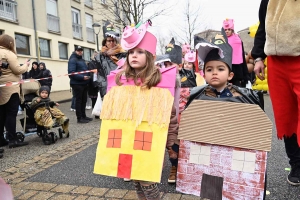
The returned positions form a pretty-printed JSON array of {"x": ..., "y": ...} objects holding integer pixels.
[{"x": 132, "y": 62}]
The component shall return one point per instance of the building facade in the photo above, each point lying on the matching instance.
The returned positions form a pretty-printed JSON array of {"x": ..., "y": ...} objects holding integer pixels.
[{"x": 48, "y": 31}]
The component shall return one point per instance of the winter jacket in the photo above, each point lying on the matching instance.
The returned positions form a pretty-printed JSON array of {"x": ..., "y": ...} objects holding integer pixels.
[
  {"x": 237, "y": 94},
  {"x": 278, "y": 31},
  {"x": 35, "y": 73},
  {"x": 45, "y": 73},
  {"x": 104, "y": 66},
  {"x": 11, "y": 74},
  {"x": 93, "y": 85},
  {"x": 77, "y": 64}
]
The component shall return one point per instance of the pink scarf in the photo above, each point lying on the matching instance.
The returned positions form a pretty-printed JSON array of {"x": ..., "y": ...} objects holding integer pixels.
[{"x": 237, "y": 52}]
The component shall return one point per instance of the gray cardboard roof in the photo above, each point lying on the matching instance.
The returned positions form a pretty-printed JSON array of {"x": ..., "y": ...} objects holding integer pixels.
[{"x": 226, "y": 123}]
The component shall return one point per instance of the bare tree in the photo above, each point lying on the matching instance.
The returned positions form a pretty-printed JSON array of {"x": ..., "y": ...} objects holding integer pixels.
[
  {"x": 128, "y": 12},
  {"x": 193, "y": 21}
]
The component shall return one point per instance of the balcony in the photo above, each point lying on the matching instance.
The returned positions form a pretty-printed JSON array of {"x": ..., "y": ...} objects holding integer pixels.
[
  {"x": 90, "y": 34},
  {"x": 88, "y": 3},
  {"x": 53, "y": 23},
  {"x": 77, "y": 31},
  {"x": 8, "y": 10}
]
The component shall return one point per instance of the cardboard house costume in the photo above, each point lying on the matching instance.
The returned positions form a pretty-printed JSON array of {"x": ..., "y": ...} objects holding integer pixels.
[
  {"x": 135, "y": 121},
  {"x": 223, "y": 158}
]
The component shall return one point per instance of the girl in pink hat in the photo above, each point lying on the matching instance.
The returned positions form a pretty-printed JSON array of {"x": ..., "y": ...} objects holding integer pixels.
[
  {"x": 239, "y": 65},
  {"x": 138, "y": 100}
]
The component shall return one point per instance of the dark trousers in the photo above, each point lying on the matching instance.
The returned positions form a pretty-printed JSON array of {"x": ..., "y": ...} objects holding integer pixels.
[
  {"x": 93, "y": 102},
  {"x": 292, "y": 149},
  {"x": 80, "y": 92},
  {"x": 8, "y": 117},
  {"x": 173, "y": 161}
]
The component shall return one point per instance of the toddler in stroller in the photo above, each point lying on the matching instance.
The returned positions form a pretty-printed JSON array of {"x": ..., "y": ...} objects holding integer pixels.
[{"x": 46, "y": 116}]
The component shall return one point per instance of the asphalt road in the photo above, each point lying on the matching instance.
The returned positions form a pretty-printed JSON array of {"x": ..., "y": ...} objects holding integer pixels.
[{"x": 78, "y": 169}]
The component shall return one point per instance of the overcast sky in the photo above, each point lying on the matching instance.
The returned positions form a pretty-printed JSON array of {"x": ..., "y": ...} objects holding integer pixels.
[{"x": 212, "y": 13}]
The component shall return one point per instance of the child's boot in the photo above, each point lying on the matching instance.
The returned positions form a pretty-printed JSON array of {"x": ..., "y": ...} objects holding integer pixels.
[{"x": 172, "y": 176}]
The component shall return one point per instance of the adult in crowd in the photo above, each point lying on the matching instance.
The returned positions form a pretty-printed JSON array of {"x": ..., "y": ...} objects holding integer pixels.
[
  {"x": 93, "y": 86},
  {"x": 281, "y": 47},
  {"x": 45, "y": 73},
  {"x": 35, "y": 72},
  {"x": 110, "y": 54},
  {"x": 239, "y": 65},
  {"x": 79, "y": 83},
  {"x": 10, "y": 95}
]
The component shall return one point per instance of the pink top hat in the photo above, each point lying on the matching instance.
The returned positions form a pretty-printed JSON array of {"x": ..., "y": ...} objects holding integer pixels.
[
  {"x": 139, "y": 37},
  {"x": 190, "y": 56},
  {"x": 228, "y": 24}
]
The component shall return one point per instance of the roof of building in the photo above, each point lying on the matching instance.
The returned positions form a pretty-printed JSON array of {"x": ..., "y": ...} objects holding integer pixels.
[{"x": 226, "y": 123}]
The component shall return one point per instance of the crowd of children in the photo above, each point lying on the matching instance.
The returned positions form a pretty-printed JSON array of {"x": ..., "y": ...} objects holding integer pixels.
[{"x": 141, "y": 74}]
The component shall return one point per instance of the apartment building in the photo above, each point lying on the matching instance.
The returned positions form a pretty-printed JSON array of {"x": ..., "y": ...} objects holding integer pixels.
[{"x": 49, "y": 30}]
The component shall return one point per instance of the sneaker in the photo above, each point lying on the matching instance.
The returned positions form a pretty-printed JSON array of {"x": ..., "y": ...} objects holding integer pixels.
[
  {"x": 172, "y": 176},
  {"x": 127, "y": 179},
  {"x": 294, "y": 176},
  {"x": 72, "y": 109},
  {"x": 16, "y": 143},
  {"x": 88, "y": 118},
  {"x": 88, "y": 107},
  {"x": 20, "y": 112},
  {"x": 82, "y": 121}
]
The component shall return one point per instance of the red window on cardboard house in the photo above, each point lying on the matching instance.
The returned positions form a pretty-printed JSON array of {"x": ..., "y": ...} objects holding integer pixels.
[
  {"x": 114, "y": 138},
  {"x": 143, "y": 140}
]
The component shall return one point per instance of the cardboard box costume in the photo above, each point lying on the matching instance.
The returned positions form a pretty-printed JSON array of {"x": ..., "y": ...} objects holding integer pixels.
[{"x": 135, "y": 122}]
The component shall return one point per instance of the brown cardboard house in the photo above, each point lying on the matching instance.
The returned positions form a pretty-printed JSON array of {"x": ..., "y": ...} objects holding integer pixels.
[{"x": 223, "y": 150}]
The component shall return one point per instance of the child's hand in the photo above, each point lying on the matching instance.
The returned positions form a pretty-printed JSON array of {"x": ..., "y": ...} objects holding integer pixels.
[
  {"x": 38, "y": 100},
  {"x": 56, "y": 104},
  {"x": 172, "y": 153}
]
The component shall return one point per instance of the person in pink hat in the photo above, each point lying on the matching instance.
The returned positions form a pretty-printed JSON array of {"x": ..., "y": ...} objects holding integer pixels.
[
  {"x": 239, "y": 65},
  {"x": 142, "y": 73}
]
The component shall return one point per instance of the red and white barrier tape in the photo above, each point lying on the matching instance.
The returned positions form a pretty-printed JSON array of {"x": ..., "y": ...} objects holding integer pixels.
[{"x": 32, "y": 80}]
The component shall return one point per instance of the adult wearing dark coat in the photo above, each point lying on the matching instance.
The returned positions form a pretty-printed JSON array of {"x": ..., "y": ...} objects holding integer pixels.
[
  {"x": 35, "y": 72},
  {"x": 45, "y": 73},
  {"x": 79, "y": 83},
  {"x": 111, "y": 53}
]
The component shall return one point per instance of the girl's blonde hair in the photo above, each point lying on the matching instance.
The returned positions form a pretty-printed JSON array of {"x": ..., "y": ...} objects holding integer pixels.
[
  {"x": 7, "y": 42},
  {"x": 148, "y": 77}
]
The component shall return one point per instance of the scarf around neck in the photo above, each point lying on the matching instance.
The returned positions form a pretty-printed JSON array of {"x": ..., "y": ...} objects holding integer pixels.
[{"x": 117, "y": 49}]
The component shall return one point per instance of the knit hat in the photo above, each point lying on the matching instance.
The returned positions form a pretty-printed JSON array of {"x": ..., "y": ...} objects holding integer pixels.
[
  {"x": 218, "y": 49},
  {"x": 44, "y": 88},
  {"x": 139, "y": 37},
  {"x": 174, "y": 51}
]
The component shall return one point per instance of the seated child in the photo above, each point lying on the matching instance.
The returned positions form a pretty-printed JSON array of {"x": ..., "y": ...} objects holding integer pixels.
[
  {"x": 45, "y": 111},
  {"x": 218, "y": 72}
]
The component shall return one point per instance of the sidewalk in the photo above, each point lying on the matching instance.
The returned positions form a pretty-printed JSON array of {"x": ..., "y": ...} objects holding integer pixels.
[{"x": 61, "y": 96}]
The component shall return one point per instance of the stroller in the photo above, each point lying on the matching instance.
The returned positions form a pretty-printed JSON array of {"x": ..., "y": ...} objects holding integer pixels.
[{"x": 29, "y": 90}]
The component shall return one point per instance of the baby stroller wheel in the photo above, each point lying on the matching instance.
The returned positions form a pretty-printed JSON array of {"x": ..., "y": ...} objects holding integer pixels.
[
  {"x": 53, "y": 137},
  {"x": 60, "y": 132},
  {"x": 20, "y": 136},
  {"x": 47, "y": 139}
]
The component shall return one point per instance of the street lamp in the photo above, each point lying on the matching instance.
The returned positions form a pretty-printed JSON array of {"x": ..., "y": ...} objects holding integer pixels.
[{"x": 96, "y": 28}]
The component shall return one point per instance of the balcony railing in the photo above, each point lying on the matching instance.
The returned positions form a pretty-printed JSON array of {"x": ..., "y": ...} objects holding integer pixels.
[
  {"x": 53, "y": 23},
  {"x": 77, "y": 31},
  {"x": 88, "y": 3},
  {"x": 90, "y": 34},
  {"x": 8, "y": 10}
]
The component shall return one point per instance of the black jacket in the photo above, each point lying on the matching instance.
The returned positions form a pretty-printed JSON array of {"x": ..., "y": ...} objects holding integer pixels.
[
  {"x": 44, "y": 74},
  {"x": 35, "y": 73},
  {"x": 93, "y": 86},
  {"x": 104, "y": 66},
  {"x": 260, "y": 36},
  {"x": 247, "y": 96}
]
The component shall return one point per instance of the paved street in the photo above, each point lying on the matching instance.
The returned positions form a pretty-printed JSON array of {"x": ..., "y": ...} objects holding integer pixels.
[{"x": 65, "y": 170}]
